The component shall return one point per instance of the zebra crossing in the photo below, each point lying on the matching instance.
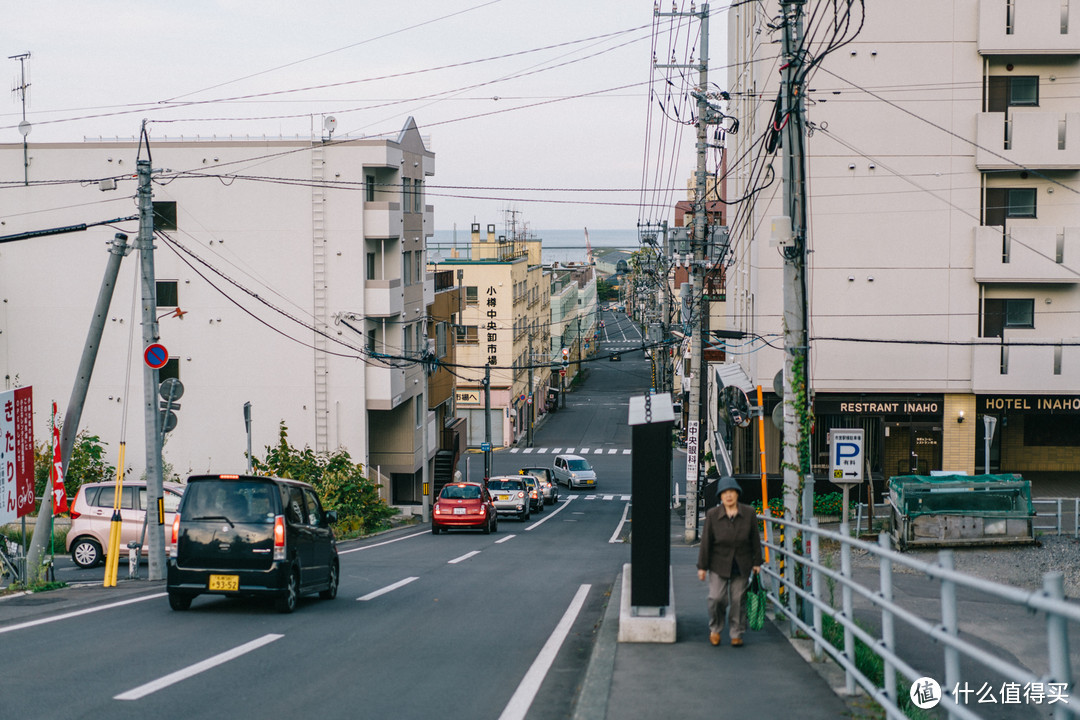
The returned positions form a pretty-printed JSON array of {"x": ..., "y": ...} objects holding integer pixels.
[
  {"x": 570, "y": 451},
  {"x": 600, "y": 496}
]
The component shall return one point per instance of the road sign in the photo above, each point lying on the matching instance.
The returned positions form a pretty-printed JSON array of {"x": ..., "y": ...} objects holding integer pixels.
[
  {"x": 485, "y": 447},
  {"x": 156, "y": 356},
  {"x": 846, "y": 456}
]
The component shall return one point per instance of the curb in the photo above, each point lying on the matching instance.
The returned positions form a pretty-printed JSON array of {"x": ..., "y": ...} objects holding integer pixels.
[{"x": 592, "y": 698}]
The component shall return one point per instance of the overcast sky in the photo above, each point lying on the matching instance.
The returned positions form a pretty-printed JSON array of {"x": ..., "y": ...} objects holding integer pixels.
[{"x": 221, "y": 67}]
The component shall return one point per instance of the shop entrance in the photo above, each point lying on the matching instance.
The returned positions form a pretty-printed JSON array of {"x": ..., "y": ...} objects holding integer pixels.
[{"x": 912, "y": 448}]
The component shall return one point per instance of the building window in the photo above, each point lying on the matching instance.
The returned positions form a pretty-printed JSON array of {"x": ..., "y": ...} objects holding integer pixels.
[
  {"x": 472, "y": 296},
  {"x": 406, "y": 333},
  {"x": 164, "y": 215},
  {"x": 372, "y": 341},
  {"x": 1006, "y": 91},
  {"x": 1004, "y": 203},
  {"x": 418, "y": 196},
  {"x": 419, "y": 411},
  {"x": 369, "y": 188},
  {"x": 406, "y": 194},
  {"x": 406, "y": 267},
  {"x": 371, "y": 266},
  {"x": 1001, "y": 313},
  {"x": 168, "y": 293},
  {"x": 466, "y": 334}
]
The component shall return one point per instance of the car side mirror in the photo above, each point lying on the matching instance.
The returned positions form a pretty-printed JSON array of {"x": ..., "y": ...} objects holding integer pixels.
[{"x": 331, "y": 516}]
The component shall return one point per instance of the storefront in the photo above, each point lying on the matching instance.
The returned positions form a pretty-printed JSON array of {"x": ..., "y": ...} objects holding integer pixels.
[{"x": 1033, "y": 433}]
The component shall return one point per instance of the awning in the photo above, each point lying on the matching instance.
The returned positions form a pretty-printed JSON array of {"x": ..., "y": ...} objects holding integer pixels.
[{"x": 732, "y": 374}]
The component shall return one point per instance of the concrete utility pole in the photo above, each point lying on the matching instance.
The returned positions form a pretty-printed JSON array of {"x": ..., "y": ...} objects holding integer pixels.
[
  {"x": 155, "y": 515},
  {"x": 704, "y": 118},
  {"x": 791, "y": 236}
]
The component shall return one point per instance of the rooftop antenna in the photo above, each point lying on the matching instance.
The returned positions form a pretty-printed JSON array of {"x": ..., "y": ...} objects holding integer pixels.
[{"x": 24, "y": 126}]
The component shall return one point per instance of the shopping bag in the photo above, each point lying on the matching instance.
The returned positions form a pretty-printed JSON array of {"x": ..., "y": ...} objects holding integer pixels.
[{"x": 756, "y": 601}]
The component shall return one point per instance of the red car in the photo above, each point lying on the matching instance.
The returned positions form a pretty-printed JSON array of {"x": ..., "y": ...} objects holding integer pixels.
[{"x": 464, "y": 505}]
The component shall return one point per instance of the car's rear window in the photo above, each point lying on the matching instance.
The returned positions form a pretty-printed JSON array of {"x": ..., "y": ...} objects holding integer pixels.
[
  {"x": 580, "y": 464},
  {"x": 237, "y": 501},
  {"x": 461, "y": 492},
  {"x": 505, "y": 485}
]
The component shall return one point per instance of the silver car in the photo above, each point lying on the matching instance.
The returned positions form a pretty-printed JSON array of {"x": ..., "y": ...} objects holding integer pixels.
[
  {"x": 574, "y": 471},
  {"x": 510, "y": 496}
]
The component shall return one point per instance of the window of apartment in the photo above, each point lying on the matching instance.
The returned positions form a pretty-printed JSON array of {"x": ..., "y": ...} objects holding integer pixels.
[
  {"x": 419, "y": 402},
  {"x": 369, "y": 188},
  {"x": 466, "y": 334},
  {"x": 407, "y": 336},
  {"x": 164, "y": 215},
  {"x": 421, "y": 341},
  {"x": 418, "y": 196},
  {"x": 1004, "y": 203},
  {"x": 1001, "y": 313},
  {"x": 440, "y": 340},
  {"x": 371, "y": 266},
  {"x": 168, "y": 292},
  {"x": 406, "y": 267},
  {"x": 406, "y": 194},
  {"x": 373, "y": 341},
  {"x": 1006, "y": 91},
  {"x": 419, "y": 266},
  {"x": 472, "y": 297}
]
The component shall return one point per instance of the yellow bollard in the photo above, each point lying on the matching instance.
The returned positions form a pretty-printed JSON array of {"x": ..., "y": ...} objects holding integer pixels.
[{"x": 112, "y": 555}]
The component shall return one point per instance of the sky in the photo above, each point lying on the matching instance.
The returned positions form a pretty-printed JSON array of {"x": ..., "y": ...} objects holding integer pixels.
[{"x": 539, "y": 107}]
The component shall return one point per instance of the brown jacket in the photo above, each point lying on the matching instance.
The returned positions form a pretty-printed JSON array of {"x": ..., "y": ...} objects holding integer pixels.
[{"x": 724, "y": 539}]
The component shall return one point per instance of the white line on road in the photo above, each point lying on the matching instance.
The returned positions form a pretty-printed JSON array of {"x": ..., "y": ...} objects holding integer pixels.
[
  {"x": 466, "y": 556},
  {"x": 626, "y": 451},
  {"x": 192, "y": 670},
  {"x": 384, "y": 542},
  {"x": 527, "y": 450},
  {"x": 618, "y": 528},
  {"x": 612, "y": 451},
  {"x": 541, "y": 451},
  {"x": 65, "y": 616},
  {"x": 499, "y": 542},
  {"x": 389, "y": 588},
  {"x": 552, "y": 514},
  {"x": 514, "y": 450},
  {"x": 530, "y": 684}
]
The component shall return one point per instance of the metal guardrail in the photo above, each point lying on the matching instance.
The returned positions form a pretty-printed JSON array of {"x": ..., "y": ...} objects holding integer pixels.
[{"x": 1050, "y": 601}]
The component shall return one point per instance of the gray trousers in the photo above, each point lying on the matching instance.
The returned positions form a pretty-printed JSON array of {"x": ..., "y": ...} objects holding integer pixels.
[{"x": 727, "y": 596}]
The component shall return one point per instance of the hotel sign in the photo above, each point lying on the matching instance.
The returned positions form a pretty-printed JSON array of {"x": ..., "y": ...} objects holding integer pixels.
[{"x": 1038, "y": 404}]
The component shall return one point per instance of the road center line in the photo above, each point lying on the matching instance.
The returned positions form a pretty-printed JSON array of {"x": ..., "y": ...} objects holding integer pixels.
[
  {"x": 530, "y": 684},
  {"x": 502, "y": 540},
  {"x": 466, "y": 556},
  {"x": 388, "y": 588},
  {"x": 192, "y": 670},
  {"x": 618, "y": 528},
  {"x": 384, "y": 542},
  {"x": 77, "y": 613},
  {"x": 553, "y": 513}
]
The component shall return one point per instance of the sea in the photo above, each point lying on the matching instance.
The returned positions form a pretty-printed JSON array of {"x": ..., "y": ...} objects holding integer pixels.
[{"x": 562, "y": 246}]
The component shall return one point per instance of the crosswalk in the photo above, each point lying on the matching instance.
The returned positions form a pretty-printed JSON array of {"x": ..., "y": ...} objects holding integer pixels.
[{"x": 570, "y": 451}]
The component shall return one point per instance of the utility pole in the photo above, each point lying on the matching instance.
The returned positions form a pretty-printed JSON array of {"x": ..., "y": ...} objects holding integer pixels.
[
  {"x": 155, "y": 515},
  {"x": 24, "y": 126},
  {"x": 529, "y": 400},
  {"x": 705, "y": 117},
  {"x": 792, "y": 239}
]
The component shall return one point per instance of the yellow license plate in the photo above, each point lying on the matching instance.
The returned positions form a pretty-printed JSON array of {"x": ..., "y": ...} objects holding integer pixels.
[
  {"x": 224, "y": 582},
  {"x": 503, "y": 498}
]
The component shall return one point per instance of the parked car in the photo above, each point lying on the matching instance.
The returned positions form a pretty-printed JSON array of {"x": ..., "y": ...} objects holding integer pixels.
[
  {"x": 247, "y": 535},
  {"x": 574, "y": 471},
  {"x": 510, "y": 496},
  {"x": 91, "y": 518},
  {"x": 547, "y": 482},
  {"x": 614, "y": 357},
  {"x": 536, "y": 495},
  {"x": 464, "y": 505}
]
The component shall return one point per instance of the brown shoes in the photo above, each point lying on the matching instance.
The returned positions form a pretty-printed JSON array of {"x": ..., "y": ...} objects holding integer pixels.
[
  {"x": 714, "y": 638},
  {"x": 736, "y": 642}
]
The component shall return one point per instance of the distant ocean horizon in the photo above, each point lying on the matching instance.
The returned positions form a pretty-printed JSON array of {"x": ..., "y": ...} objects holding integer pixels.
[{"x": 560, "y": 246}]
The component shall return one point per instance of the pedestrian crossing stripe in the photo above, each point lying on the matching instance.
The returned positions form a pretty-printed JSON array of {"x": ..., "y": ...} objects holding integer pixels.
[{"x": 570, "y": 451}]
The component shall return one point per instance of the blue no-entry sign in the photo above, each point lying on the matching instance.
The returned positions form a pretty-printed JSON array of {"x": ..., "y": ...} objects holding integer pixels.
[{"x": 156, "y": 356}]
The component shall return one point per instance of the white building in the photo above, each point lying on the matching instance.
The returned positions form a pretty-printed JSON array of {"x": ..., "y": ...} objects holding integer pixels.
[
  {"x": 944, "y": 264},
  {"x": 290, "y": 274}
]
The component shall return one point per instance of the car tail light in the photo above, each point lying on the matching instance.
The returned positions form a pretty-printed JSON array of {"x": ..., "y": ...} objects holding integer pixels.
[
  {"x": 279, "y": 537},
  {"x": 483, "y": 510},
  {"x": 74, "y": 515},
  {"x": 175, "y": 535},
  {"x": 438, "y": 511}
]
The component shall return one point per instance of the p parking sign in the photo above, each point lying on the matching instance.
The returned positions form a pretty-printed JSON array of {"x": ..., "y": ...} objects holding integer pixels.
[{"x": 846, "y": 456}]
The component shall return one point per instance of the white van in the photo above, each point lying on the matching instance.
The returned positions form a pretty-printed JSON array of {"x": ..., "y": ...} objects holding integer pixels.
[{"x": 574, "y": 471}]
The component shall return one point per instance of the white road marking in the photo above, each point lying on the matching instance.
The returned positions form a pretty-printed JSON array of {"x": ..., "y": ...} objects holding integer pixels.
[
  {"x": 466, "y": 556},
  {"x": 626, "y": 451},
  {"x": 583, "y": 451},
  {"x": 612, "y": 451},
  {"x": 541, "y": 451},
  {"x": 514, "y": 450},
  {"x": 569, "y": 451},
  {"x": 526, "y": 450},
  {"x": 552, "y": 514},
  {"x": 618, "y": 528},
  {"x": 388, "y": 588},
  {"x": 501, "y": 541},
  {"x": 384, "y": 542},
  {"x": 192, "y": 670},
  {"x": 556, "y": 451},
  {"x": 76, "y": 613},
  {"x": 526, "y": 691}
]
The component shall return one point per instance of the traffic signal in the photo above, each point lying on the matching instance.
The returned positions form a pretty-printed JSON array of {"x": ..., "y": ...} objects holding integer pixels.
[{"x": 565, "y": 356}]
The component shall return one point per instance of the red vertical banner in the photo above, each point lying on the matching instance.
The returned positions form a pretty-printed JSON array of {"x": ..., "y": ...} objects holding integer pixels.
[
  {"x": 16, "y": 453},
  {"x": 56, "y": 474}
]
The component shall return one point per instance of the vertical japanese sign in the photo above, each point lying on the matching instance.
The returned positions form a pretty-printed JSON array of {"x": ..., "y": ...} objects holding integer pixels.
[
  {"x": 492, "y": 327},
  {"x": 16, "y": 454},
  {"x": 691, "y": 451}
]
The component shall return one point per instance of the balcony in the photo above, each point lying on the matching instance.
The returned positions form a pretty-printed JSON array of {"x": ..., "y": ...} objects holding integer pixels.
[
  {"x": 1037, "y": 140},
  {"x": 384, "y": 298},
  {"x": 1029, "y": 27},
  {"x": 382, "y": 219},
  {"x": 385, "y": 386},
  {"x": 1025, "y": 366},
  {"x": 1027, "y": 255}
]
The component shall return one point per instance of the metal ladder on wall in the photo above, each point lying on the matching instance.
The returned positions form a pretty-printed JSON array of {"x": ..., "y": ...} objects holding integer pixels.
[{"x": 318, "y": 282}]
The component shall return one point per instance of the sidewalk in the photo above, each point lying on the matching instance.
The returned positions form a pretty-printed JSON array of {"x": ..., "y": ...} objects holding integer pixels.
[{"x": 766, "y": 678}]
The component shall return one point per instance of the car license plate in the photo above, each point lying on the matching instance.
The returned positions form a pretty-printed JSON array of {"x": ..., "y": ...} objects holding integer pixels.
[
  {"x": 504, "y": 498},
  {"x": 459, "y": 511},
  {"x": 224, "y": 582}
]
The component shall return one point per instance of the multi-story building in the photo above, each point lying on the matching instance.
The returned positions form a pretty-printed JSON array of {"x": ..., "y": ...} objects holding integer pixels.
[
  {"x": 944, "y": 232},
  {"x": 505, "y": 330},
  {"x": 290, "y": 273}
]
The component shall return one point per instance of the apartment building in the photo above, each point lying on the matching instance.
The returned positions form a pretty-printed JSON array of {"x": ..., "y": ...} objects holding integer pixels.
[
  {"x": 291, "y": 274},
  {"x": 504, "y": 327},
  {"x": 944, "y": 231}
]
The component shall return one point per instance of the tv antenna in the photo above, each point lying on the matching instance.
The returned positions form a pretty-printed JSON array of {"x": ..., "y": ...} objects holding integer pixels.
[{"x": 24, "y": 126}]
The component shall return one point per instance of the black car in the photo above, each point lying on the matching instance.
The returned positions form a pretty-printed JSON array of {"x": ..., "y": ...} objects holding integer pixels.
[{"x": 245, "y": 535}]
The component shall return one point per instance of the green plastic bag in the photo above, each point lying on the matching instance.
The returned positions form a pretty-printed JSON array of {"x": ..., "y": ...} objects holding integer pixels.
[{"x": 756, "y": 602}]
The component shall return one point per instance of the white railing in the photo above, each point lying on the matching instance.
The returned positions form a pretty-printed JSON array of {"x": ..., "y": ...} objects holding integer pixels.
[{"x": 896, "y": 620}]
